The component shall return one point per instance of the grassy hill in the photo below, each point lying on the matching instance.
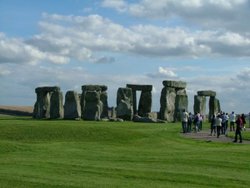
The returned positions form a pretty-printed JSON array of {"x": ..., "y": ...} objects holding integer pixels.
[{"x": 46, "y": 153}]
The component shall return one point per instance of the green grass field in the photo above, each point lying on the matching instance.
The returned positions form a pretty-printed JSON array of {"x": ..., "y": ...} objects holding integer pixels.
[{"x": 46, "y": 153}]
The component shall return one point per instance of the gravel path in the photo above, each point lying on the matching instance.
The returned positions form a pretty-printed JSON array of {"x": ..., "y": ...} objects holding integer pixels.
[{"x": 205, "y": 135}]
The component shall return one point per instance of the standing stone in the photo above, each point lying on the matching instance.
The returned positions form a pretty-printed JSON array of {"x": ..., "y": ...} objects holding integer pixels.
[
  {"x": 103, "y": 97},
  {"x": 145, "y": 103},
  {"x": 42, "y": 104},
  {"x": 124, "y": 102},
  {"x": 181, "y": 103},
  {"x": 200, "y": 104},
  {"x": 93, "y": 106},
  {"x": 56, "y": 105},
  {"x": 214, "y": 106},
  {"x": 167, "y": 101},
  {"x": 144, "y": 106},
  {"x": 72, "y": 108},
  {"x": 173, "y": 100}
]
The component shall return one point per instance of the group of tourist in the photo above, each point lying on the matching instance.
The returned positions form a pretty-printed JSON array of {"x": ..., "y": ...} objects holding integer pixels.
[
  {"x": 219, "y": 123},
  {"x": 188, "y": 119}
]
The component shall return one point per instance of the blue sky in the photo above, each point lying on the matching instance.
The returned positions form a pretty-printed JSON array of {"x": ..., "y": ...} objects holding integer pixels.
[{"x": 70, "y": 43}]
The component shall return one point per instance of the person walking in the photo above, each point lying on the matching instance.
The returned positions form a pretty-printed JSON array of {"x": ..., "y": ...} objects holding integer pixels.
[
  {"x": 190, "y": 121},
  {"x": 239, "y": 125},
  {"x": 184, "y": 121},
  {"x": 218, "y": 125},
  {"x": 223, "y": 123},
  {"x": 243, "y": 121},
  {"x": 232, "y": 118},
  {"x": 226, "y": 123},
  {"x": 200, "y": 121},
  {"x": 213, "y": 125},
  {"x": 196, "y": 122}
]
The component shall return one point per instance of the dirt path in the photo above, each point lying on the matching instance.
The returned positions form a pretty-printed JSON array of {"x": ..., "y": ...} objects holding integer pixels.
[{"x": 205, "y": 135}]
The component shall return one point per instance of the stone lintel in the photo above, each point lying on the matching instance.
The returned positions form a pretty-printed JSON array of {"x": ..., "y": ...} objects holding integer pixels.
[
  {"x": 94, "y": 88},
  {"x": 138, "y": 87},
  {"x": 207, "y": 93},
  {"x": 47, "y": 89},
  {"x": 174, "y": 84}
]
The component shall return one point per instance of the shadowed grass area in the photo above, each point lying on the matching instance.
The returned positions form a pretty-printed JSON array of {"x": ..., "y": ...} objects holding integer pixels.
[{"x": 45, "y": 153}]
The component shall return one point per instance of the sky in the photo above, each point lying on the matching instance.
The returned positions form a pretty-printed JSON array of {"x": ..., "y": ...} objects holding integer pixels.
[{"x": 70, "y": 43}]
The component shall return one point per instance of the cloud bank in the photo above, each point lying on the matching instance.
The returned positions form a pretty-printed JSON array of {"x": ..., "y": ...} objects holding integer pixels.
[{"x": 72, "y": 50}]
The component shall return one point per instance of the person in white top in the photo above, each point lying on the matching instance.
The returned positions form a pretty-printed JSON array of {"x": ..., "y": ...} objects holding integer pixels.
[
  {"x": 184, "y": 121},
  {"x": 218, "y": 124},
  {"x": 232, "y": 118}
]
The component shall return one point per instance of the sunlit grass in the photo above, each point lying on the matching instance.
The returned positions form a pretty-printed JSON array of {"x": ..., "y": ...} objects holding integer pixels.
[{"x": 44, "y": 153}]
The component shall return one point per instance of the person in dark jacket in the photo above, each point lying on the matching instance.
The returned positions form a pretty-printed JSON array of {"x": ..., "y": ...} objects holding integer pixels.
[
  {"x": 213, "y": 125},
  {"x": 243, "y": 121},
  {"x": 239, "y": 125}
]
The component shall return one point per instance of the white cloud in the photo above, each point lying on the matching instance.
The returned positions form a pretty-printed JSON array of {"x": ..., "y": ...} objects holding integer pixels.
[
  {"x": 119, "y": 5},
  {"x": 13, "y": 50},
  {"x": 66, "y": 35},
  {"x": 163, "y": 73},
  {"x": 229, "y": 14},
  {"x": 4, "y": 71},
  {"x": 66, "y": 38},
  {"x": 167, "y": 72},
  {"x": 104, "y": 60}
]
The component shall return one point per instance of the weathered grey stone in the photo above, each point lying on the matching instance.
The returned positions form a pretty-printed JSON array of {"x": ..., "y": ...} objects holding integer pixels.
[
  {"x": 94, "y": 88},
  {"x": 56, "y": 105},
  {"x": 103, "y": 97},
  {"x": 167, "y": 101},
  {"x": 145, "y": 103},
  {"x": 173, "y": 100},
  {"x": 152, "y": 115},
  {"x": 138, "y": 87},
  {"x": 146, "y": 93},
  {"x": 72, "y": 108},
  {"x": 116, "y": 120},
  {"x": 181, "y": 103},
  {"x": 47, "y": 89},
  {"x": 112, "y": 113},
  {"x": 174, "y": 84},
  {"x": 208, "y": 93},
  {"x": 147, "y": 119},
  {"x": 200, "y": 104},
  {"x": 93, "y": 106},
  {"x": 124, "y": 109},
  {"x": 124, "y": 94},
  {"x": 42, "y": 105},
  {"x": 214, "y": 106},
  {"x": 138, "y": 118}
]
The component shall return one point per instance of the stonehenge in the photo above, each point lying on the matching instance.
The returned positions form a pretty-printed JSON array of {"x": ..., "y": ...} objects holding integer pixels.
[
  {"x": 92, "y": 103},
  {"x": 49, "y": 103},
  {"x": 72, "y": 107},
  {"x": 124, "y": 103},
  {"x": 200, "y": 102},
  {"x": 145, "y": 102},
  {"x": 97, "y": 93},
  {"x": 93, "y": 106},
  {"x": 173, "y": 100}
]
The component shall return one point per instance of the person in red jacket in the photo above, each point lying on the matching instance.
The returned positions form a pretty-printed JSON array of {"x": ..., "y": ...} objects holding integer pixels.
[{"x": 239, "y": 125}]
